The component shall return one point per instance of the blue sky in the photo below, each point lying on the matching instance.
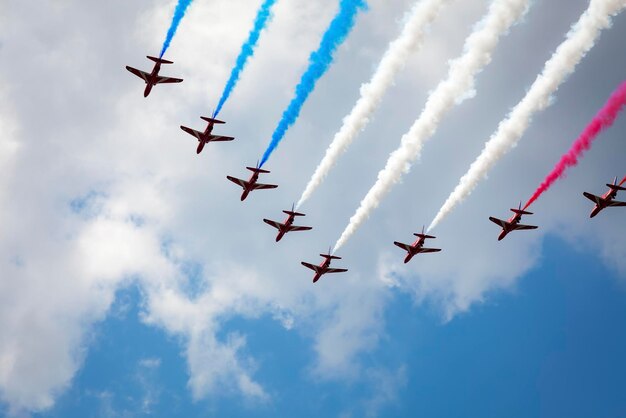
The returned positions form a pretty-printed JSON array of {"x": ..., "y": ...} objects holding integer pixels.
[
  {"x": 552, "y": 346},
  {"x": 133, "y": 281}
]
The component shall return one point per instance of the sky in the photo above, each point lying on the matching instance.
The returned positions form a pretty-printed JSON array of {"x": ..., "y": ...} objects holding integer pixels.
[{"x": 133, "y": 281}]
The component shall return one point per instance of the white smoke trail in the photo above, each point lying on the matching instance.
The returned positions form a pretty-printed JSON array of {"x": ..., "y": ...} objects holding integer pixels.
[
  {"x": 580, "y": 40},
  {"x": 420, "y": 17},
  {"x": 458, "y": 85}
]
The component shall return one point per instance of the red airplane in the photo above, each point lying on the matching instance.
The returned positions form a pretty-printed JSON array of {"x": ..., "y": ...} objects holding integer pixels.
[
  {"x": 251, "y": 184},
  {"x": 324, "y": 266},
  {"x": 606, "y": 200},
  {"x": 513, "y": 223},
  {"x": 417, "y": 247},
  {"x": 287, "y": 225},
  {"x": 153, "y": 78},
  {"x": 206, "y": 136}
]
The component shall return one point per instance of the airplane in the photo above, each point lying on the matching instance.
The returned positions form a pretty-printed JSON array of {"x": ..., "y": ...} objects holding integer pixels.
[
  {"x": 417, "y": 247},
  {"x": 324, "y": 267},
  {"x": 513, "y": 223},
  {"x": 287, "y": 225},
  {"x": 251, "y": 184},
  {"x": 206, "y": 136},
  {"x": 153, "y": 78},
  {"x": 606, "y": 200}
]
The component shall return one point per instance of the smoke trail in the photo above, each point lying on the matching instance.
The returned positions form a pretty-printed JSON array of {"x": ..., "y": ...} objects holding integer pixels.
[
  {"x": 394, "y": 59},
  {"x": 604, "y": 119},
  {"x": 247, "y": 50},
  {"x": 319, "y": 61},
  {"x": 179, "y": 13},
  {"x": 476, "y": 55},
  {"x": 623, "y": 181},
  {"x": 580, "y": 40}
]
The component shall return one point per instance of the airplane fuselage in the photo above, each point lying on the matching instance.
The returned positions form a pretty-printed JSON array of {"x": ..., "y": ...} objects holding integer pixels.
[
  {"x": 152, "y": 80},
  {"x": 510, "y": 225},
  {"x": 604, "y": 202},
  {"x": 248, "y": 188},
  {"x": 419, "y": 243},
  {"x": 252, "y": 184},
  {"x": 205, "y": 135},
  {"x": 285, "y": 227},
  {"x": 324, "y": 265},
  {"x": 515, "y": 219}
]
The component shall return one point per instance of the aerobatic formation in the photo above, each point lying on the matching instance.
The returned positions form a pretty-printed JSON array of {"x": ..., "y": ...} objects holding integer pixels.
[{"x": 458, "y": 85}]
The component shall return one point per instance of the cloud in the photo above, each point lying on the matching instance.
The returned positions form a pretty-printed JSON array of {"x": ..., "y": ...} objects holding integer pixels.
[
  {"x": 146, "y": 207},
  {"x": 385, "y": 388}
]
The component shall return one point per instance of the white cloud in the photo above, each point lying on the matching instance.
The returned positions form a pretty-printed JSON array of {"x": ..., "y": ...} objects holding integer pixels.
[
  {"x": 80, "y": 131},
  {"x": 386, "y": 386}
]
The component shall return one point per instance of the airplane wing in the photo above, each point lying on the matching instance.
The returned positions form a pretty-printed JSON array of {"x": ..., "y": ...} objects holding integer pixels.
[
  {"x": 193, "y": 132},
  {"x": 272, "y": 223},
  {"x": 595, "y": 199},
  {"x": 336, "y": 270},
  {"x": 141, "y": 74},
  {"x": 258, "y": 186},
  {"x": 311, "y": 266},
  {"x": 161, "y": 80},
  {"x": 429, "y": 250},
  {"x": 520, "y": 227},
  {"x": 616, "y": 203},
  {"x": 300, "y": 228},
  {"x": 237, "y": 181},
  {"x": 405, "y": 247},
  {"x": 216, "y": 138},
  {"x": 498, "y": 221}
]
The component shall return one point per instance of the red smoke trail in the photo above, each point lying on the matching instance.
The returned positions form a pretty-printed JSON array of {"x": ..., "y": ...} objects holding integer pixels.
[
  {"x": 604, "y": 119},
  {"x": 623, "y": 181}
]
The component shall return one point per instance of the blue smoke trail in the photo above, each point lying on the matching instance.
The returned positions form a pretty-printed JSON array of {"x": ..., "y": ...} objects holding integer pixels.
[
  {"x": 247, "y": 50},
  {"x": 179, "y": 13},
  {"x": 319, "y": 61}
]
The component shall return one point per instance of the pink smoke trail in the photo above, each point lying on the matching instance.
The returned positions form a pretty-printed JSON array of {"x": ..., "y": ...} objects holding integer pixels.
[
  {"x": 623, "y": 181},
  {"x": 603, "y": 119}
]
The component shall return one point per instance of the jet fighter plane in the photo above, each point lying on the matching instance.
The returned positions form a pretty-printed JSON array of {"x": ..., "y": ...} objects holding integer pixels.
[
  {"x": 153, "y": 78},
  {"x": 606, "y": 200},
  {"x": 417, "y": 247},
  {"x": 287, "y": 225},
  {"x": 513, "y": 223},
  {"x": 206, "y": 136},
  {"x": 324, "y": 267},
  {"x": 251, "y": 184}
]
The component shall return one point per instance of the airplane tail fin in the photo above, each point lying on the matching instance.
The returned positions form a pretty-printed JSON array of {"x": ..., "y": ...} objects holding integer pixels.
[
  {"x": 615, "y": 187},
  {"x": 291, "y": 212},
  {"x": 521, "y": 212},
  {"x": 257, "y": 170},
  {"x": 423, "y": 235},
  {"x": 159, "y": 60},
  {"x": 211, "y": 120}
]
